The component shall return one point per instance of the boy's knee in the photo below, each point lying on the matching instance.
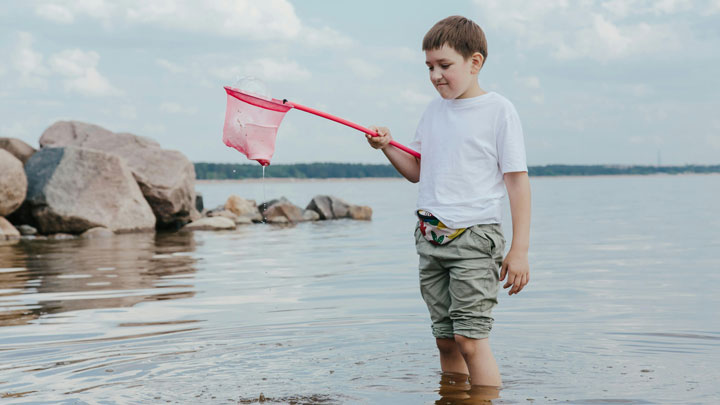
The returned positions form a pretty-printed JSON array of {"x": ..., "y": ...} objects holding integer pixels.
[
  {"x": 467, "y": 346},
  {"x": 446, "y": 346}
]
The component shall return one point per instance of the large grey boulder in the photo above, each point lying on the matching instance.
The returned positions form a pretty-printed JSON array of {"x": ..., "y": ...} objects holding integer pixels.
[
  {"x": 74, "y": 189},
  {"x": 166, "y": 177},
  {"x": 17, "y": 148},
  {"x": 13, "y": 183},
  {"x": 331, "y": 207}
]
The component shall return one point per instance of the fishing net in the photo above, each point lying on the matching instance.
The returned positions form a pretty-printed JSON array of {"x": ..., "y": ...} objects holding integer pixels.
[{"x": 251, "y": 123}]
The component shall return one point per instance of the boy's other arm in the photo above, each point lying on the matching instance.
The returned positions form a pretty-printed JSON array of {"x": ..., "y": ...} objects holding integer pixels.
[
  {"x": 516, "y": 266},
  {"x": 404, "y": 163}
]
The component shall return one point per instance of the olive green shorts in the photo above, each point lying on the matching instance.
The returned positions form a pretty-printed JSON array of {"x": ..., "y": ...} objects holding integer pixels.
[{"x": 459, "y": 281}]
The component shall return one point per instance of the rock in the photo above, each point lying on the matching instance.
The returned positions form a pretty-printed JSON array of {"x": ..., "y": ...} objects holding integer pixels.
[
  {"x": 330, "y": 207},
  {"x": 74, "y": 189},
  {"x": 310, "y": 215},
  {"x": 21, "y": 150},
  {"x": 243, "y": 221},
  {"x": 210, "y": 224},
  {"x": 360, "y": 212},
  {"x": 321, "y": 204},
  {"x": 222, "y": 213},
  {"x": 199, "y": 206},
  {"x": 13, "y": 183},
  {"x": 282, "y": 208},
  {"x": 7, "y": 230},
  {"x": 241, "y": 206},
  {"x": 27, "y": 230},
  {"x": 97, "y": 232},
  {"x": 166, "y": 177},
  {"x": 278, "y": 220}
]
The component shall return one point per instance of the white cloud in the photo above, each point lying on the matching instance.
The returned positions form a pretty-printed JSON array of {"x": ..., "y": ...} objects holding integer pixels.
[
  {"x": 176, "y": 108},
  {"x": 325, "y": 37},
  {"x": 591, "y": 29},
  {"x": 170, "y": 66},
  {"x": 55, "y": 13},
  {"x": 79, "y": 72},
  {"x": 259, "y": 20},
  {"x": 29, "y": 63},
  {"x": 363, "y": 68},
  {"x": 266, "y": 69}
]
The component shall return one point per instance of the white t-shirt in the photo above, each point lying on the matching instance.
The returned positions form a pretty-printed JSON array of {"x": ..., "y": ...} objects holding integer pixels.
[{"x": 466, "y": 146}]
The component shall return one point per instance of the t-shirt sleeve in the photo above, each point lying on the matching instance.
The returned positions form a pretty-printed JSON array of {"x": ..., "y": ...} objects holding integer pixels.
[{"x": 510, "y": 142}]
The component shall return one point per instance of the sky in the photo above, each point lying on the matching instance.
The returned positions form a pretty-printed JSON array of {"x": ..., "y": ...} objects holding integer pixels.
[{"x": 594, "y": 82}]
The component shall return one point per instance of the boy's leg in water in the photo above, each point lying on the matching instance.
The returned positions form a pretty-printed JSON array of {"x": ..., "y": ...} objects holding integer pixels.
[
  {"x": 480, "y": 361},
  {"x": 451, "y": 360}
]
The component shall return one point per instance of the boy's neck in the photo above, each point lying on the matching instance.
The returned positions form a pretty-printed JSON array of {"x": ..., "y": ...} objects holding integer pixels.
[{"x": 473, "y": 91}]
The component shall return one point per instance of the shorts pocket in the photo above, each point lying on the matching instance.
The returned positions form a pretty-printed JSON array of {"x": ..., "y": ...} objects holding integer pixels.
[{"x": 488, "y": 244}]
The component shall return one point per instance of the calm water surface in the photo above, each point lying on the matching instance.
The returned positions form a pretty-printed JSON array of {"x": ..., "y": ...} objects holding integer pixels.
[{"x": 622, "y": 306}]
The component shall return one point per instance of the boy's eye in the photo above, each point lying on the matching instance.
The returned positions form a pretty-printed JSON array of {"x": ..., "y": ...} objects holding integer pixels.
[{"x": 444, "y": 66}]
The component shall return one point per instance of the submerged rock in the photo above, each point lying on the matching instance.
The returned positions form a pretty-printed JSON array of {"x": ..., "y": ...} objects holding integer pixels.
[
  {"x": 13, "y": 183},
  {"x": 310, "y": 215},
  {"x": 74, "y": 189},
  {"x": 98, "y": 232},
  {"x": 210, "y": 224},
  {"x": 166, "y": 177},
  {"x": 7, "y": 230},
  {"x": 27, "y": 230}
]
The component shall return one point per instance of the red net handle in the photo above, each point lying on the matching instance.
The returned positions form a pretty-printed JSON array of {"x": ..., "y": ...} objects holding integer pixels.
[{"x": 350, "y": 124}]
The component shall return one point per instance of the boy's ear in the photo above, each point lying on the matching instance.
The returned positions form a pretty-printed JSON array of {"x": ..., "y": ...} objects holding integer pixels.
[{"x": 477, "y": 62}]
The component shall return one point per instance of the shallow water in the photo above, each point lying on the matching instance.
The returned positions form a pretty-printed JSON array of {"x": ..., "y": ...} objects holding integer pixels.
[{"x": 621, "y": 307}]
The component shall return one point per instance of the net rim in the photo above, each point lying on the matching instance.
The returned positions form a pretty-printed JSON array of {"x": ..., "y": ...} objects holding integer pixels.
[{"x": 271, "y": 104}]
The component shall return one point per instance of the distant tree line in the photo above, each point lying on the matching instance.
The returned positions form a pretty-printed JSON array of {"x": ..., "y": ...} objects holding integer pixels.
[
  {"x": 225, "y": 171},
  {"x": 604, "y": 170},
  {"x": 232, "y": 171}
]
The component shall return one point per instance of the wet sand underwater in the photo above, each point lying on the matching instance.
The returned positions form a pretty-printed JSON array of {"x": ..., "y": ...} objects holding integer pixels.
[{"x": 620, "y": 310}]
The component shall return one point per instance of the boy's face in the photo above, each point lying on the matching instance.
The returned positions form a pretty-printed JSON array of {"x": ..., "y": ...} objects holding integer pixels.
[{"x": 450, "y": 73}]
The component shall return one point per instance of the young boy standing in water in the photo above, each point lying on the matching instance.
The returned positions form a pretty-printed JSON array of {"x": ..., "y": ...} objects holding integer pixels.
[{"x": 472, "y": 150}]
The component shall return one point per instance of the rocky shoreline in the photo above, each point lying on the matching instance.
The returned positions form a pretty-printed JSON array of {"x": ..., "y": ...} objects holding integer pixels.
[{"x": 86, "y": 181}]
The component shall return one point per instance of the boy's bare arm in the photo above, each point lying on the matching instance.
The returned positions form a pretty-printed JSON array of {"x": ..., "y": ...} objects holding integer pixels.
[
  {"x": 404, "y": 163},
  {"x": 516, "y": 266}
]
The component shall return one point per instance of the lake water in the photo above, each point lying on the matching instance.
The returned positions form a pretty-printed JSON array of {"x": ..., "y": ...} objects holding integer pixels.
[{"x": 622, "y": 306}]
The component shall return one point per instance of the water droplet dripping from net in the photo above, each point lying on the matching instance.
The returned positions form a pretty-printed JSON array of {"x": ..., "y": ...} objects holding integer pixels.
[
  {"x": 264, "y": 194},
  {"x": 251, "y": 84}
]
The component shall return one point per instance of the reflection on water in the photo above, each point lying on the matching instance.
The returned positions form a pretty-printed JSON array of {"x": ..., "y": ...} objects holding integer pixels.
[{"x": 51, "y": 277}]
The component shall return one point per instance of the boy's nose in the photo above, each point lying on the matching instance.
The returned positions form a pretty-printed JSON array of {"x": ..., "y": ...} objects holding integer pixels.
[{"x": 435, "y": 76}]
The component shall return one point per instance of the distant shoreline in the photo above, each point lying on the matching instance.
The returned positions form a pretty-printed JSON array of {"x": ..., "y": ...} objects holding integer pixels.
[
  {"x": 331, "y": 179},
  {"x": 358, "y": 171}
]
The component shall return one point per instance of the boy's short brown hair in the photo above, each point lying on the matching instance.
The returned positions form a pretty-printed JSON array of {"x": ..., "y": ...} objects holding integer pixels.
[{"x": 458, "y": 32}]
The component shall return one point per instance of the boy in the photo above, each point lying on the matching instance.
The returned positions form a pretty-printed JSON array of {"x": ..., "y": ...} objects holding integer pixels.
[{"x": 472, "y": 153}]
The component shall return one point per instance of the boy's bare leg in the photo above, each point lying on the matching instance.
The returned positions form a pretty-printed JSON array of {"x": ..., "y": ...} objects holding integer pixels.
[
  {"x": 451, "y": 360},
  {"x": 480, "y": 361}
]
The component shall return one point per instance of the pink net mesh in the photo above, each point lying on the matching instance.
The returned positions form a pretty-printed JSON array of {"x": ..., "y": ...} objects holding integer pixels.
[{"x": 251, "y": 124}]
